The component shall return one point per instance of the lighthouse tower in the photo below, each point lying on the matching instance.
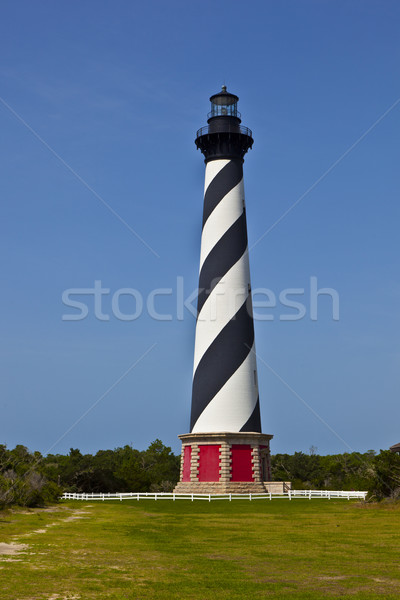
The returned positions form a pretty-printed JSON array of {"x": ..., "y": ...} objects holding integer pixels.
[{"x": 225, "y": 450}]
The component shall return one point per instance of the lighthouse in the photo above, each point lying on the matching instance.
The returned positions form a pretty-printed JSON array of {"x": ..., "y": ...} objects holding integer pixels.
[{"x": 225, "y": 451}]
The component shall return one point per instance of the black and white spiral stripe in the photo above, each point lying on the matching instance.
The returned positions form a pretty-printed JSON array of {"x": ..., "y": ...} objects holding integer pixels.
[{"x": 225, "y": 390}]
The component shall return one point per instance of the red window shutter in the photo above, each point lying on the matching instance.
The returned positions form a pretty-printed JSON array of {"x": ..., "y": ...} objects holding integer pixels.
[
  {"x": 187, "y": 457},
  {"x": 242, "y": 467}
]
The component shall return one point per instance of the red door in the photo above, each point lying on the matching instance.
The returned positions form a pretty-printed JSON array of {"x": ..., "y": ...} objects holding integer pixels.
[{"x": 209, "y": 463}]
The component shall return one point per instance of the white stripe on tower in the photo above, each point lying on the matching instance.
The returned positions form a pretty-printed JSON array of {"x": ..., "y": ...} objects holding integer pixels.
[{"x": 225, "y": 390}]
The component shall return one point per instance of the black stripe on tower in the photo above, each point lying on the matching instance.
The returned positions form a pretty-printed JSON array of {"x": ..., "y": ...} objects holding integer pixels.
[
  {"x": 254, "y": 421},
  {"x": 227, "y": 178}
]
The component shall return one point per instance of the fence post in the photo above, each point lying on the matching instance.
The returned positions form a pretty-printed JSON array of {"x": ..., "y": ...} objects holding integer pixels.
[
  {"x": 192, "y": 497},
  {"x": 290, "y": 494},
  {"x": 173, "y": 497},
  {"x": 209, "y": 497},
  {"x": 249, "y": 496},
  {"x": 270, "y": 495},
  {"x": 230, "y": 497}
]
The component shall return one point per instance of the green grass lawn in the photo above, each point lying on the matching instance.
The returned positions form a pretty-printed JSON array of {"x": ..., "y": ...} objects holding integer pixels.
[{"x": 186, "y": 550}]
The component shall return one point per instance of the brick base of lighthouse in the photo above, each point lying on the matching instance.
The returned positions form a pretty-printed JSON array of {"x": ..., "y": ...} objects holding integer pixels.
[{"x": 224, "y": 463}]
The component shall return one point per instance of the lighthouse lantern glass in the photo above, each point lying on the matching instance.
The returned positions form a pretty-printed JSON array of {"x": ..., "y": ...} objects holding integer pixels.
[{"x": 224, "y": 105}]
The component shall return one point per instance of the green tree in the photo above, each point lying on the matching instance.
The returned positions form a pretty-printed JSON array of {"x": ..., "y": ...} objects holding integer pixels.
[{"x": 386, "y": 480}]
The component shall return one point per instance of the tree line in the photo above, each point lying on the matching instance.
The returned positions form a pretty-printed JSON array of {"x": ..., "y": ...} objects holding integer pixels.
[
  {"x": 30, "y": 479},
  {"x": 379, "y": 474}
]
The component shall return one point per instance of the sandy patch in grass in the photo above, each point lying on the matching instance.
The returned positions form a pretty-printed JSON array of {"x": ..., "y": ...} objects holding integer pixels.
[
  {"x": 63, "y": 597},
  {"x": 332, "y": 577},
  {"x": 78, "y": 514},
  {"x": 57, "y": 597},
  {"x": 30, "y": 533},
  {"x": 386, "y": 580},
  {"x": 49, "y": 509},
  {"x": 80, "y": 511},
  {"x": 9, "y": 549}
]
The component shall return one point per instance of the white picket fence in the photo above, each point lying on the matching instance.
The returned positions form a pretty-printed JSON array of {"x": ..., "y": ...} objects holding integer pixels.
[{"x": 290, "y": 495}]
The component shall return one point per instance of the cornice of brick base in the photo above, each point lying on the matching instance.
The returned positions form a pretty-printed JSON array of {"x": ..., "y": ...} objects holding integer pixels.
[{"x": 247, "y": 437}]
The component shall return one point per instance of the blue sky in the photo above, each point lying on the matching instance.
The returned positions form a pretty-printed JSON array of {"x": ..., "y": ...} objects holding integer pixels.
[{"x": 118, "y": 90}]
